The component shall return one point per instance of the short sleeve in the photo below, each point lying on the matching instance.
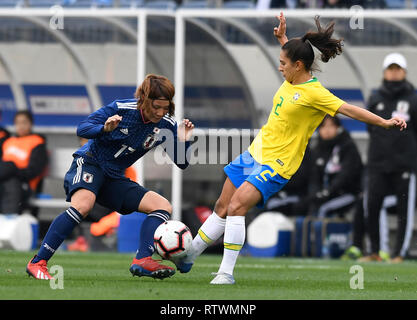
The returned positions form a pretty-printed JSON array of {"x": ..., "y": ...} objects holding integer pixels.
[{"x": 323, "y": 100}]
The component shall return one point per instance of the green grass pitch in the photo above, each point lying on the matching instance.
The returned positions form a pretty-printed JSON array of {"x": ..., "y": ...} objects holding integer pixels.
[{"x": 106, "y": 276}]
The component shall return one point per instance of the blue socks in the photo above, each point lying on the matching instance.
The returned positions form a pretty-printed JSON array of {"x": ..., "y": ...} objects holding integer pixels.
[
  {"x": 58, "y": 231},
  {"x": 62, "y": 226},
  {"x": 149, "y": 225}
]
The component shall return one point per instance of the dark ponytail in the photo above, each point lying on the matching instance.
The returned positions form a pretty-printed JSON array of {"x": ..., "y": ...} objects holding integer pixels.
[
  {"x": 300, "y": 48},
  {"x": 323, "y": 40}
]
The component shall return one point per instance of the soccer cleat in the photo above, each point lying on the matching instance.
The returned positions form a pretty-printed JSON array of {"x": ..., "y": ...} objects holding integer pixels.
[
  {"x": 149, "y": 267},
  {"x": 222, "y": 278},
  {"x": 80, "y": 244},
  {"x": 384, "y": 255},
  {"x": 352, "y": 253},
  {"x": 38, "y": 270},
  {"x": 397, "y": 259},
  {"x": 372, "y": 258},
  {"x": 183, "y": 266}
]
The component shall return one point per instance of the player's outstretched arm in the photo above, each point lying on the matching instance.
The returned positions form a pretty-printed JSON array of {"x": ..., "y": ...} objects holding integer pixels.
[
  {"x": 179, "y": 149},
  {"x": 93, "y": 126},
  {"x": 366, "y": 116},
  {"x": 279, "y": 32}
]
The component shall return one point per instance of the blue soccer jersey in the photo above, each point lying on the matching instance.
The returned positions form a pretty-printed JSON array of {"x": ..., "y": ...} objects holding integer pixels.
[{"x": 117, "y": 150}]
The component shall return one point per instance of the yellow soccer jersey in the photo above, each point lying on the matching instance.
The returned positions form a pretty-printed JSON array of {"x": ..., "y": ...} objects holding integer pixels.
[{"x": 297, "y": 112}]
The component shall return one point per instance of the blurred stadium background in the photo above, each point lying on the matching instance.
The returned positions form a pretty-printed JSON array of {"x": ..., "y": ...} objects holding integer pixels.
[{"x": 63, "y": 63}]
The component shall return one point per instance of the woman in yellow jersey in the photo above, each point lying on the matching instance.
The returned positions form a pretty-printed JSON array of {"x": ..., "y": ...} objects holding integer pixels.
[{"x": 299, "y": 106}]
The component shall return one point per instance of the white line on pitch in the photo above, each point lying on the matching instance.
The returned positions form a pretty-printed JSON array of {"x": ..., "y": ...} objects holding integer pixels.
[{"x": 262, "y": 266}]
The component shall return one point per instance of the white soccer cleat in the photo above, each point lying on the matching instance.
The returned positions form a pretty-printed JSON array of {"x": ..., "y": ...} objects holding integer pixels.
[{"x": 222, "y": 278}]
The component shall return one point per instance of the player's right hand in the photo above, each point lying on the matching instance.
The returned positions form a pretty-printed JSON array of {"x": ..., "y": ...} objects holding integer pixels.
[{"x": 112, "y": 123}]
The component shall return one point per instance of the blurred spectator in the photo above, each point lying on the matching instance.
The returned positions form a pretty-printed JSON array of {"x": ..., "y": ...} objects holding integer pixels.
[
  {"x": 392, "y": 157},
  {"x": 336, "y": 171},
  {"x": 339, "y": 4},
  {"x": 4, "y": 134},
  {"x": 355, "y": 251},
  {"x": 270, "y": 4},
  {"x": 22, "y": 166},
  {"x": 373, "y": 4},
  {"x": 336, "y": 3},
  {"x": 293, "y": 201}
]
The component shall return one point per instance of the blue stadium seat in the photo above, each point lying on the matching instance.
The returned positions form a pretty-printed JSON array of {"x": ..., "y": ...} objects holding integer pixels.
[
  {"x": 395, "y": 4},
  {"x": 87, "y": 3},
  {"x": 160, "y": 4},
  {"x": 196, "y": 4},
  {"x": 104, "y": 3},
  {"x": 131, "y": 3},
  {"x": 237, "y": 4},
  {"x": 78, "y": 3},
  {"x": 12, "y": 3},
  {"x": 43, "y": 3}
]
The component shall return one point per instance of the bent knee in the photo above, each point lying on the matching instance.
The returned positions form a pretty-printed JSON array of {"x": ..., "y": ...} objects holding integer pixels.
[
  {"x": 161, "y": 204},
  {"x": 83, "y": 201},
  {"x": 153, "y": 202},
  {"x": 83, "y": 208},
  {"x": 221, "y": 208},
  {"x": 166, "y": 206},
  {"x": 236, "y": 208}
]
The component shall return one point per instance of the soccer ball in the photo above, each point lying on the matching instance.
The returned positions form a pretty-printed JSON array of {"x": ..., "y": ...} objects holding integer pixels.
[{"x": 172, "y": 240}]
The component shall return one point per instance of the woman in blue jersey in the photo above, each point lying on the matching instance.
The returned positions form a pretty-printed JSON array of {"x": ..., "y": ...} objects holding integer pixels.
[
  {"x": 119, "y": 134},
  {"x": 299, "y": 106}
]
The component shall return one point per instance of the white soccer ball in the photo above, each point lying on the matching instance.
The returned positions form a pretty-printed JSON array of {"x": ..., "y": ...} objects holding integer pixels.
[{"x": 172, "y": 240}]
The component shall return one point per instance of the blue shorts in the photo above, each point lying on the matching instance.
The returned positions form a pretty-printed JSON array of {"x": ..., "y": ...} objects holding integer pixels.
[
  {"x": 121, "y": 195},
  {"x": 263, "y": 177}
]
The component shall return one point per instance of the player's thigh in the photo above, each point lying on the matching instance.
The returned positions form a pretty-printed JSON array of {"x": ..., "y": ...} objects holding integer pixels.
[
  {"x": 83, "y": 201},
  {"x": 224, "y": 199},
  {"x": 152, "y": 201},
  {"x": 82, "y": 183},
  {"x": 244, "y": 198},
  {"x": 237, "y": 172}
]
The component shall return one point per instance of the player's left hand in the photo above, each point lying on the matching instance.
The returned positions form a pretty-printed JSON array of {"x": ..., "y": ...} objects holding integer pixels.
[
  {"x": 396, "y": 122},
  {"x": 185, "y": 130},
  {"x": 280, "y": 31}
]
